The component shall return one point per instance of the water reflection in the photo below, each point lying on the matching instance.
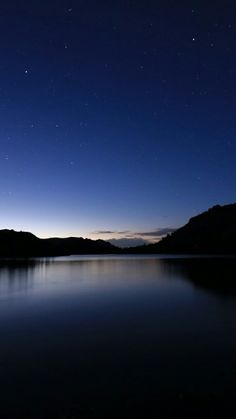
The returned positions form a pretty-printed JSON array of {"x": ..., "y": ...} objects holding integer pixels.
[
  {"x": 95, "y": 337},
  {"x": 16, "y": 276},
  {"x": 216, "y": 275},
  {"x": 45, "y": 274},
  {"x": 19, "y": 276}
]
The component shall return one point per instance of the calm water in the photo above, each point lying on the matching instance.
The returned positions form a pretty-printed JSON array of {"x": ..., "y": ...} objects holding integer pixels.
[{"x": 94, "y": 337}]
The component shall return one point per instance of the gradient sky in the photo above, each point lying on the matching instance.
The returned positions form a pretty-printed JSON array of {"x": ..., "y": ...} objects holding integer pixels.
[{"x": 117, "y": 117}]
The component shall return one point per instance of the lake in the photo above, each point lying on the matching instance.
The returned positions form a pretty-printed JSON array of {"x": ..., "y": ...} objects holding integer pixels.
[{"x": 117, "y": 336}]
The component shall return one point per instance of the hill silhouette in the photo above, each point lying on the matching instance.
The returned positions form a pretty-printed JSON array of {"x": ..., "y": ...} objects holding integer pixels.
[
  {"x": 24, "y": 244},
  {"x": 212, "y": 232}
]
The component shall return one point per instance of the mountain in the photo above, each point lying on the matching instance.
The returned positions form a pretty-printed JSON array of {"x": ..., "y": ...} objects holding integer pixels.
[
  {"x": 212, "y": 232},
  {"x": 24, "y": 244}
]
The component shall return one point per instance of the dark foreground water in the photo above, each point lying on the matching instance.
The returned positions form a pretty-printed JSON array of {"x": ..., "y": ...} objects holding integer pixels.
[{"x": 117, "y": 337}]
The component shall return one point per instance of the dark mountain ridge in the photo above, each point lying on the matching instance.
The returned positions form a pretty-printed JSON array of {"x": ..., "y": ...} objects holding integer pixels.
[
  {"x": 212, "y": 232},
  {"x": 24, "y": 244}
]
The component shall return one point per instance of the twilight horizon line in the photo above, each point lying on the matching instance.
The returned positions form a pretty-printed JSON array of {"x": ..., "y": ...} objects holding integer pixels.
[
  {"x": 121, "y": 239},
  {"x": 118, "y": 237}
]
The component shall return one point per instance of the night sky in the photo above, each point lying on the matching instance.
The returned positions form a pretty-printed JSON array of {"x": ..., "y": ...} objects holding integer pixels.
[{"x": 117, "y": 117}]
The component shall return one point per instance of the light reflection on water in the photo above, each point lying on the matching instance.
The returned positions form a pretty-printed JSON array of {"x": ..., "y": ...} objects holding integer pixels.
[
  {"x": 82, "y": 330},
  {"x": 24, "y": 278}
]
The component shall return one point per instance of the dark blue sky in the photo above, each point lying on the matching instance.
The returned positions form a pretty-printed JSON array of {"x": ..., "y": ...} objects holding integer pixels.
[{"x": 116, "y": 116}]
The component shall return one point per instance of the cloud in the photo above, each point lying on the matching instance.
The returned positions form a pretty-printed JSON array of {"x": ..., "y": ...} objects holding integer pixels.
[
  {"x": 103, "y": 232},
  {"x": 159, "y": 232},
  {"x": 125, "y": 242},
  {"x": 128, "y": 238},
  {"x": 110, "y": 232}
]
